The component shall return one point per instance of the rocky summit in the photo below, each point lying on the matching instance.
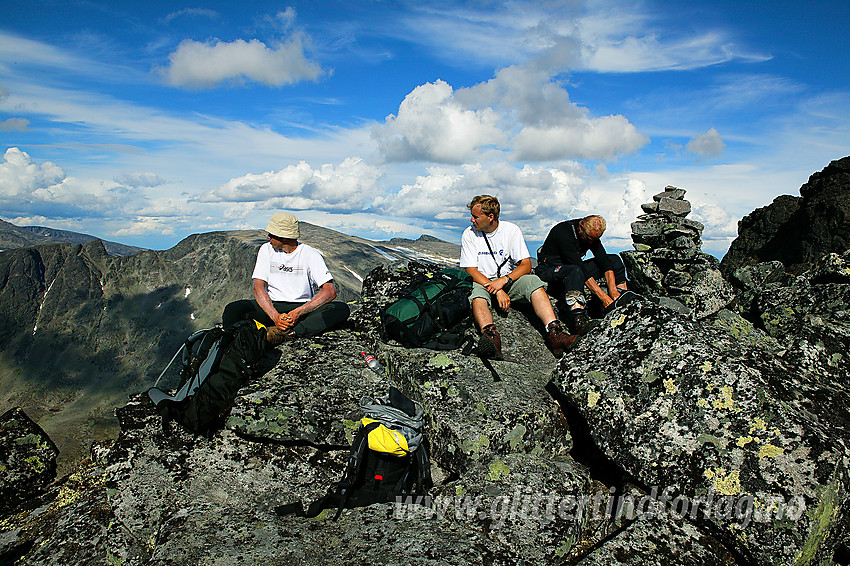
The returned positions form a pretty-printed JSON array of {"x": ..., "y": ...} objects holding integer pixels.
[
  {"x": 797, "y": 231},
  {"x": 658, "y": 440},
  {"x": 676, "y": 431}
]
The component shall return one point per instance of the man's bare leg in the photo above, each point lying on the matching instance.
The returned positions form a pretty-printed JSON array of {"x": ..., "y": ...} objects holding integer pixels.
[
  {"x": 481, "y": 313},
  {"x": 542, "y": 306}
]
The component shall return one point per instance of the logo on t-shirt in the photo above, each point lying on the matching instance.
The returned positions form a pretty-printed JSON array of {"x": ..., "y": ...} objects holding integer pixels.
[{"x": 288, "y": 268}]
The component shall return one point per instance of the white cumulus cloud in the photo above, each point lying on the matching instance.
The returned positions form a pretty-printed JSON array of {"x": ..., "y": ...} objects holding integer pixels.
[
  {"x": 20, "y": 175},
  {"x": 521, "y": 112},
  {"x": 27, "y": 187},
  {"x": 206, "y": 65},
  {"x": 347, "y": 186},
  {"x": 709, "y": 144},
  {"x": 720, "y": 226},
  {"x": 534, "y": 197},
  {"x": 432, "y": 125},
  {"x": 587, "y": 138},
  {"x": 628, "y": 209}
]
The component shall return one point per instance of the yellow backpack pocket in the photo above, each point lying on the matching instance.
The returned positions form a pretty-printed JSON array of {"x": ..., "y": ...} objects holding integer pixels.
[{"x": 386, "y": 440}]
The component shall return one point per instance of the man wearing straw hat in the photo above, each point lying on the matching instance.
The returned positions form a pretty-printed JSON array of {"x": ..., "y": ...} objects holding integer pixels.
[{"x": 293, "y": 288}]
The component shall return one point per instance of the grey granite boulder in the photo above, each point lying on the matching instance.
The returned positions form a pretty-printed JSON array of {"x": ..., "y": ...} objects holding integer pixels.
[
  {"x": 658, "y": 537},
  {"x": 670, "y": 205},
  {"x": 714, "y": 419},
  {"x": 278, "y": 407},
  {"x": 809, "y": 317},
  {"x": 669, "y": 192},
  {"x": 711, "y": 293},
  {"x": 477, "y": 412},
  {"x": 808, "y": 313}
]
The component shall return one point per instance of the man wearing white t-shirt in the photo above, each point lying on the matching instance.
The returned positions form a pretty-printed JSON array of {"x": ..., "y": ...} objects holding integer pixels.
[
  {"x": 293, "y": 288},
  {"x": 495, "y": 255}
]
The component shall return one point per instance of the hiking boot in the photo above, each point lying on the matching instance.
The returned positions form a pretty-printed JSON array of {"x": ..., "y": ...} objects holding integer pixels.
[
  {"x": 578, "y": 320},
  {"x": 490, "y": 343},
  {"x": 559, "y": 340},
  {"x": 276, "y": 336}
]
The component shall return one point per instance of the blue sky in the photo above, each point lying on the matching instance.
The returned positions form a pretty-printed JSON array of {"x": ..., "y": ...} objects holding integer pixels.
[{"x": 146, "y": 122}]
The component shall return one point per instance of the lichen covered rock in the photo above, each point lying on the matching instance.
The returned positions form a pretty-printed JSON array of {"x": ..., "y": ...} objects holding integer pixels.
[
  {"x": 686, "y": 406},
  {"x": 706, "y": 409},
  {"x": 808, "y": 317},
  {"x": 27, "y": 460}
]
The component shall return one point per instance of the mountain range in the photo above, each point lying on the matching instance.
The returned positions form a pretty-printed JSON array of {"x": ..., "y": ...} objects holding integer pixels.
[{"x": 12, "y": 237}]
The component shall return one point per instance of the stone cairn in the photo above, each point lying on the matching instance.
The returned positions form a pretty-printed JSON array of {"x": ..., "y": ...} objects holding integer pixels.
[{"x": 667, "y": 262}]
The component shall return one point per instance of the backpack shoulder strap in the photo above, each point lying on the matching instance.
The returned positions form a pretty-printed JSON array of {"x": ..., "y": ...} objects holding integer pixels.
[
  {"x": 340, "y": 493},
  {"x": 423, "y": 464},
  {"x": 499, "y": 266},
  {"x": 353, "y": 471}
]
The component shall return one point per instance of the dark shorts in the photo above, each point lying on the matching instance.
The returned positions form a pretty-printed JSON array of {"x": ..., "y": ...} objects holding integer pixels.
[
  {"x": 565, "y": 278},
  {"x": 313, "y": 323}
]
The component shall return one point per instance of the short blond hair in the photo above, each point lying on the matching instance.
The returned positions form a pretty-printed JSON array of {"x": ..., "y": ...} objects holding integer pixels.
[
  {"x": 593, "y": 224},
  {"x": 489, "y": 205}
]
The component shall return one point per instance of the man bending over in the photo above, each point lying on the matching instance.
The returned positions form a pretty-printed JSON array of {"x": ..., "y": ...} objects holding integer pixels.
[{"x": 560, "y": 263}]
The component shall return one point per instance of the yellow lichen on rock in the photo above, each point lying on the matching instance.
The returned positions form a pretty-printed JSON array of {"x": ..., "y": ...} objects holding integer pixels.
[
  {"x": 757, "y": 424},
  {"x": 724, "y": 400},
  {"x": 498, "y": 470},
  {"x": 770, "y": 451},
  {"x": 729, "y": 484},
  {"x": 441, "y": 360}
]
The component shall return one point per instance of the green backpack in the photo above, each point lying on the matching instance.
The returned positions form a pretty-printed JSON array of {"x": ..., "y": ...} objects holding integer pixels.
[{"x": 428, "y": 316}]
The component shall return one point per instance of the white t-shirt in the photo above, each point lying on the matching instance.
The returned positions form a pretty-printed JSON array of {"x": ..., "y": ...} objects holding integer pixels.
[
  {"x": 506, "y": 242},
  {"x": 291, "y": 277}
]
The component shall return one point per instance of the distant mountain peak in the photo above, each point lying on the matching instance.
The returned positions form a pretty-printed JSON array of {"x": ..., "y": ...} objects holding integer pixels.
[{"x": 13, "y": 237}]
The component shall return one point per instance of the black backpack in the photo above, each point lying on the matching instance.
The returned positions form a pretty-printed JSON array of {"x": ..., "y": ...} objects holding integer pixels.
[
  {"x": 216, "y": 363},
  {"x": 389, "y": 459},
  {"x": 429, "y": 312}
]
